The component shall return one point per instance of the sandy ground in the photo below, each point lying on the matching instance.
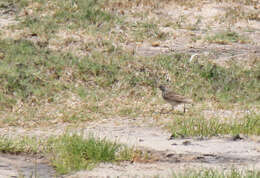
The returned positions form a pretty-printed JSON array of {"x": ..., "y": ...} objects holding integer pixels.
[
  {"x": 24, "y": 166},
  {"x": 167, "y": 155},
  {"x": 172, "y": 155}
]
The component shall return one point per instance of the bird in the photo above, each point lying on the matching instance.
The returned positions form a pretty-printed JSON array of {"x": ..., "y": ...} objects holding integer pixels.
[{"x": 173, "y": 98}]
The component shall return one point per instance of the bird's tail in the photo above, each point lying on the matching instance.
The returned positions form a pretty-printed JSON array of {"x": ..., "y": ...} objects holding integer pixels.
[{"x": 188, "y": 100}]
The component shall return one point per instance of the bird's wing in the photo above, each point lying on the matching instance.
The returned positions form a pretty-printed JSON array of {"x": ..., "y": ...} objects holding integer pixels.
[{"x": 177, "y": 98}]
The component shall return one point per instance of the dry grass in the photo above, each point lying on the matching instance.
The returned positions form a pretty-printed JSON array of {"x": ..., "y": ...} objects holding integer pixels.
[{"x": 73, "y": 62}]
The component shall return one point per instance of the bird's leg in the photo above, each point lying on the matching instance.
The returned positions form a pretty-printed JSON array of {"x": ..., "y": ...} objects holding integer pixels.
[
  {"x": 172, "y": 110},
  {"x": 184, "y": 109}
]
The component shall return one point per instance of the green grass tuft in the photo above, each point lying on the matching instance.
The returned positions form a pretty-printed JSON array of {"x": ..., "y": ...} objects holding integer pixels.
[
  {"x": 76, "y": 153},
  {"x": 202, "y": 127}
]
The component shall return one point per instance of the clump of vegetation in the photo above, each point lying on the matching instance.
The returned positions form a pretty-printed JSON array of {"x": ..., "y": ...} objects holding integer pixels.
[
  {"x": 69, "y": 152},
  {"x": 74, "y": 153},
  {"x": 202, "y": 127}
]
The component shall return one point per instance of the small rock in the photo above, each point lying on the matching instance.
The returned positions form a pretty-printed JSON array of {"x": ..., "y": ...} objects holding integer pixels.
[
  {"x": 155, "y": 44},
  {"x": 141, "y": 140},
  {"x": 169, "y": 155},
  {"x": 237, "y": 137},
  {"x": 186, "y": 143},
  {"x": 171, "y": 137}
]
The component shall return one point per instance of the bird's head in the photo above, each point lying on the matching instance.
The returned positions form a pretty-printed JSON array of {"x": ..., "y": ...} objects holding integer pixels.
[{"x": 162, "y": 88}]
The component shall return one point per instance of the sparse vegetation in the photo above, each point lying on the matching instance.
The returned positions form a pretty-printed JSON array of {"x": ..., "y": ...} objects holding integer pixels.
[
  {"x": 227, "y": 38},
  {"x": 33, "y": 75},
  {"x": 210, "y": 173}
]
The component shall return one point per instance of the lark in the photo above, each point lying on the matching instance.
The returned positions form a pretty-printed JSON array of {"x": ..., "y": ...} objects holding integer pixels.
[{"x": 173, "y": 98}]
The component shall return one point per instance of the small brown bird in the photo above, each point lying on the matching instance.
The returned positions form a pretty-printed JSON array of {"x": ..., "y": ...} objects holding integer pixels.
[{"x": 173, "y": 98}]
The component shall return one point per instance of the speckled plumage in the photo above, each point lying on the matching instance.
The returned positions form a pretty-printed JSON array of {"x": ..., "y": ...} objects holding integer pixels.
[{"x": 173, "y": 98}]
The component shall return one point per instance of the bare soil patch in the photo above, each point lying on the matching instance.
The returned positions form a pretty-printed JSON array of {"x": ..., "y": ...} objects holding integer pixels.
[{"x": 24, "y": 166}]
